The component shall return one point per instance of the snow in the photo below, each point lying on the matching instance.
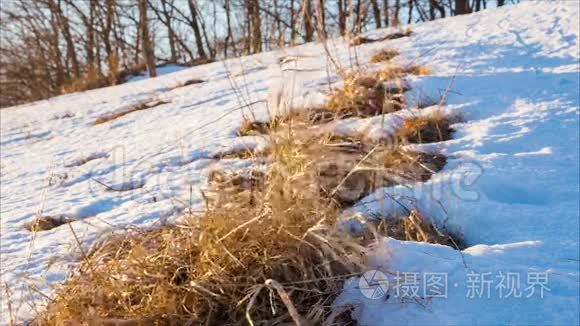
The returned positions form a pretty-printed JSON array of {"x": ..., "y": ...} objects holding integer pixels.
[
  {"x": 161, "y": 70},
  {"x": 510, "y": 188}
]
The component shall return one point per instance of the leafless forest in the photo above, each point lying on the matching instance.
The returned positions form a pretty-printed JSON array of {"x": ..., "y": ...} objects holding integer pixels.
[{"x": 51, "y": 47}]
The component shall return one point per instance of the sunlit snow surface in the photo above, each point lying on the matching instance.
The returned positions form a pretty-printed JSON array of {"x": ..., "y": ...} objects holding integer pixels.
[{"x": 510, "y": 188}]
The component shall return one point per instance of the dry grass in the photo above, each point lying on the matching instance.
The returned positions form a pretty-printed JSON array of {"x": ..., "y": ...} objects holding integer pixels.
[
  {"x": 147, "y": 104},
  {"x": 419, "y": 70},
  {"x": 390, "y": 72},
  {"x": 365, "y": 96},
  {"x": 64, "y": 115},
  {"x": 277, "y": 260},
  {"x": 384, "y": 55},
  {"x": 242, "y": 153},
  {"x": 409, "y": 227},
  {"x": 294, "y": 120},
  {"x": 87, "y": 159},
  {"x": 358, "y": 40},
  {"x": 342, "y": 170},
  {"x": 266, "y": 252},
  {"x": 254, "y": 128},
  {"x": 45, "y": 223},
  {"x": 362, "y": 95},
  {"x": 90, "y": 80},
  {"x": 226, "y": 188},
  {"x": 425, "y": 129}
]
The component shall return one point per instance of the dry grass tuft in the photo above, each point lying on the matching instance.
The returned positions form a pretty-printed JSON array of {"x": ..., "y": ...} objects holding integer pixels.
[
  {"x": 425, "y": 129},
  {"x": 87, "y": 159},
  {"x": 410, "y": 227},
  {"x": 254, "y": 128},
  {"x": 277, "y": 260},
  {"x": 419, "y": 70},
  {"x": 365, "y": 96},
  {"x": 344, "y": 171},
  {"x": 384, "y": 55},
  {"x": 226, "y": 188},
  {"x": 45, "y": 223},
  {"x": 358, "y": 40},
  {"x": 297, "y": 119},
  {"x": 64, "y": 115},
  {"x": 147, "y": 104},
  {"x": 266, "y": 252}
]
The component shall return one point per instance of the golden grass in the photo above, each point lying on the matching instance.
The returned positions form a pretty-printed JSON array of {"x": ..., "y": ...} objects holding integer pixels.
[
  {"x": 234, "y": 264},
  {"x": 419, "y": 70},
  {"x": 227, "y": 188},
  {"x": 254, "y": 128},
  {"x": 425, "y": 129},
  {"x": 384, "y": 55},
  {"x": 45, "y": 223},
  {"x": 344, "y": 171},
  {"x": 365, "y": 96},
  {"x": 412, "y": 226},
  {"x": 267, "y": 252},
  {"x": 146, "y": 104},
  {"x": 242, "y": 153}
]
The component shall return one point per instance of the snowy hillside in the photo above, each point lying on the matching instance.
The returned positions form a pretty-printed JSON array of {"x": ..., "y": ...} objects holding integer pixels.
[{"x": 510, "y": 187}]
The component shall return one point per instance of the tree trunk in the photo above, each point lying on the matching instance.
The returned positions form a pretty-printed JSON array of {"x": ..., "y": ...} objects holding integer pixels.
[
  {"x": 65, "y": 28},
  {"x": 148, "y": 51},
  {"x": 437, "y": 6},
  {"x": 60, "y": 74},
  {"x": 387, "y": 18},
  {"x": 230, "y": 36},
  {"x": 396, "y": 20},
  {"x": 342, "y": 17},
  {"x": 307, "y": 19},
  {"x": 410, "y": 14},
  {"x": 321, "y": 20},
  {"x": 254, "y": 26},
  {"x": 196, "y": 30},
  {"x": 292, "y": 24},
  {"x": 376, "y": 13},
  {"x": 170, "y": 33},
  {"x": 462, "y": 7}
]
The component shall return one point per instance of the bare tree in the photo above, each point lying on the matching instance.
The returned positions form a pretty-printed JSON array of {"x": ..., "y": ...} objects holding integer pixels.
[
  {"x": 376, "y": 13},
  {"x": 307, "y": 20},
  {"x": 462, "y": 7},
  {"x": 145, "y": 40}
]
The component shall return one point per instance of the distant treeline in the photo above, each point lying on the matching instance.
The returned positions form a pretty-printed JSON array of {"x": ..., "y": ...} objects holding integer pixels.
[{"x": 51, "y": 47}]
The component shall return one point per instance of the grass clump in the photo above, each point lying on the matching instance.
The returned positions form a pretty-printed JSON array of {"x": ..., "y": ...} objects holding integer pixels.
[
  {"x": 277, "y": 260},
  {"x": 365, "y": 96},
  {"x": 299, "y": 119},
  {"x": 358, "y": 40},
  {"x": 147, "y": 104},
  {"x": 254, "y": 128},
  {"x": 384, "y": 55},
  {"x": 225, "y": 188},
  {"x": 344, "y": 171},
  {"x": 268, "y": 254},
  {"x": 425, "y": 129},
  {"x": 411, "y": 226},
  {"x": 45, "y": 223}
]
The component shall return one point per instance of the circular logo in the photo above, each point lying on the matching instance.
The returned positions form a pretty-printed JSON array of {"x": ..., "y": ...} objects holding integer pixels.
[{"x": 373, "y": 284}]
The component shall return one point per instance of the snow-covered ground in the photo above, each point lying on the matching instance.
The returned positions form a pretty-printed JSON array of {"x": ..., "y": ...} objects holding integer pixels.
[
  {"x": 161, "y": 70},
  {"x": 511, "y": 187}
]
